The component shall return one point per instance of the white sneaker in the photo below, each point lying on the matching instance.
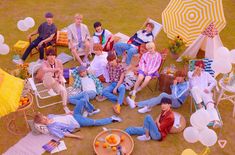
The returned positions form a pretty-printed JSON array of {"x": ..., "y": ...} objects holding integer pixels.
[
  {"x": 143, "y": 138},
  {"x": 116, "y": 118},
  {"x": 85, "y": 114},
  {"x": 18, "y": 61},
  {"x": 144, "y": 110},
  {"x": 95, "y": 111},
  {"x": 130, "y": 102},
  {"x": 39, "y": 61}
]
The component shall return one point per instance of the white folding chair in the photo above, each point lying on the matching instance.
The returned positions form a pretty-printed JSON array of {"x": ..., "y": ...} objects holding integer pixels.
[{"x": 40, "y": 91}]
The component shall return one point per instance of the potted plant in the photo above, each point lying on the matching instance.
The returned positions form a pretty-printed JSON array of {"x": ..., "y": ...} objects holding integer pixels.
[{"x": 176, "y": 46}]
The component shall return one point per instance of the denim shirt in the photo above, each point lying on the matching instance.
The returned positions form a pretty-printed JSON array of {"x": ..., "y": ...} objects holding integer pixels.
[
  {"x": 180, "y": 91},
  {"x": 59, "y": 129}
]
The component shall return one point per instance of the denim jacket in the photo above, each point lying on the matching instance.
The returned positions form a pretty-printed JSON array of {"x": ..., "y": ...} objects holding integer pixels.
[{"x": 180, "y": 91}]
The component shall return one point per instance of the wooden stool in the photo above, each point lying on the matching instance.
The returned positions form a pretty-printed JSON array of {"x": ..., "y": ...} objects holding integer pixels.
[{"x": 11, "y": 124}]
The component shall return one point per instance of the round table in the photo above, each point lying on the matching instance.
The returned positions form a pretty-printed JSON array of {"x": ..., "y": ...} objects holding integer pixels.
[
  {"x": 11, "y": 124},
  {"x": 127, "y": 144},
  {"x": 227, "y": 93}
]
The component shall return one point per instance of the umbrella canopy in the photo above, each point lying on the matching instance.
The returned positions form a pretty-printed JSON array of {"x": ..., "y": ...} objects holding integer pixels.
[{"x": 188, "y": 18}]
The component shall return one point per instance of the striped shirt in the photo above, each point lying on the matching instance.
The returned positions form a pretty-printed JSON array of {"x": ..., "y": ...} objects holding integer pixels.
[
  {"x": 140, "y": 37},
  {"x": 150, "y": 62}
]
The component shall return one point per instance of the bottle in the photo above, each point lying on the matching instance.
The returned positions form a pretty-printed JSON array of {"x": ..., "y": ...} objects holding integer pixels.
[{"x": 119, "y": 150}]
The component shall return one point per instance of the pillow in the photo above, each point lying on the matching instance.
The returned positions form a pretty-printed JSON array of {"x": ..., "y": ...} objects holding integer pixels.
[
  {"x": 179, "y": 123},
  {"x": 41, "y": 128},
  {"x": 32, "y": 127}
]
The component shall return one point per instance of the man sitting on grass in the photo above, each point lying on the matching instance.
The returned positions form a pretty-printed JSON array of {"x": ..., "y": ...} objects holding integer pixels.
[{"x": 158, "y": 129}]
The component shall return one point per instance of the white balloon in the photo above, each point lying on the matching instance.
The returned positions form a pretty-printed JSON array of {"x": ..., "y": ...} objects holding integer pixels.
[
  {"x": 207, "y": 137},
  {"x": 232, "y": 56},
  {"x": 222, "y": 53},
  {"x": 22, "y": 26},
  {"x": 29, "y": 22},
  {"x": 200, "y": 119},
  {"x": 1, "y": 39},
  {"x": 4, "y": 49},
  {"x": 191, "y": 134},
  {"x": 221, "y": 66}
]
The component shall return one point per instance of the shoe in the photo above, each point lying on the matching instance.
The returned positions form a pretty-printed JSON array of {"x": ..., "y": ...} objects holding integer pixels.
[
  {"x": 51, "y": 92},
  {"x": 144, "y": 110},
  {"x": 217, "y": 124},
  {"x": 117, "y": 108},
  {"x": 116, "y": 119},
  {"x": 85, "y": 114},
  {"x": 95, "y": 111},
  {"x": 39, "y": 61},
  {"x": 143, "y": 138},
  {"x": 18, "y": 61},
  {"x": 130, "y": 102}
]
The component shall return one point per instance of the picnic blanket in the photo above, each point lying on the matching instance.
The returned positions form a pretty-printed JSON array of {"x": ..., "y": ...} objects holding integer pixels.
[{"x": 30, "y": 145}]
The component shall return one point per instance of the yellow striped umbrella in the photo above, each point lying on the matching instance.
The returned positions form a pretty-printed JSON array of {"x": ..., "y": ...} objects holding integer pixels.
[{"x": 188, "y": 18}]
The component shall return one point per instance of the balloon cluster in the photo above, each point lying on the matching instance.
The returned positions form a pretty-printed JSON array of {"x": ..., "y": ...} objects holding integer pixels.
[
  {"x": 223, "y": 60},
  {"x": 199, "y": 130},
  {"x": 4, "y": 48},
  {"x": 24, "y": 25}
]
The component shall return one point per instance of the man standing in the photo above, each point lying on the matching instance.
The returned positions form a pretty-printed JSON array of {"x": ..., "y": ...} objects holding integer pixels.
[
  {"x": 46, "y": 31},
  {"x": 79, "y": 39}
]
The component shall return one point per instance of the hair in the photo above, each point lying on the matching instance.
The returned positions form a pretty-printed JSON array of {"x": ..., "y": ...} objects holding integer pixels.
[
  {"x": 200, "y": 63},
  {"x": 97, "y": 24},
  {"x": 51, "y": 51},
  {"x": 78, "y": 15},
  {"x": 149, "y": 24},
  {"x": 150, "y": 45},
  {"x": 48, "y": 15},
  {"x": 180, "y": 73},
  {"x": 166, "y": 101},
  {"x": 111, "y": 57},
  {"x": 38, "y": 117},
  {"x": 97, "y": 47}
]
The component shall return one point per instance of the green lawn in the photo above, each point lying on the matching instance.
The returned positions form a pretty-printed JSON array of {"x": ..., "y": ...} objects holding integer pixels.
[{"x": 124, "y": 16}]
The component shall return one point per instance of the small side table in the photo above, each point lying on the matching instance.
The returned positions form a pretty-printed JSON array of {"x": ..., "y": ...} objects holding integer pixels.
[
  {"x": 20, "y": 46},
  {"x": 11, "y": 124},
  {"x": 227, "y": 93},
  {"x": 165, "y": 81}
]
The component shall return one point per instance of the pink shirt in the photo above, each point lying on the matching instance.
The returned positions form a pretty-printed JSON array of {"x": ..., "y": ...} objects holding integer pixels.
[{"x": 150, "y": 62}]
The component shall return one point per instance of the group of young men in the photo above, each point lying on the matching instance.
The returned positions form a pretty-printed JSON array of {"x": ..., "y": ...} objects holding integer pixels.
[{"x": 91, "y": 86}]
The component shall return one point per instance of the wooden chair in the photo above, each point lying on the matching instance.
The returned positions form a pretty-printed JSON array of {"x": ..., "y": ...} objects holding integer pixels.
[{"x": 50, "y": 44}]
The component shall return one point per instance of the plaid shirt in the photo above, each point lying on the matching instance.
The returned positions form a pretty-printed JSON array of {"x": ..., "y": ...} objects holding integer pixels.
[
  {"x": 78, "y": 83},
  {"x": 115, "y": 72}
]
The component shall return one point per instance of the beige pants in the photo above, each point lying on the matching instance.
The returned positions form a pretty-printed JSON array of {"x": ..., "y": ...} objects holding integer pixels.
[
  {"x": 51, "y": 83},
  {"x": 200, "y": 96}
]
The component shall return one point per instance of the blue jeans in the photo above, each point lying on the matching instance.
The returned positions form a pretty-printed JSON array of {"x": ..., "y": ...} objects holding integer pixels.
[
  {"x": 121, "y": 47},
  {"x": 84, "y": 121},
  {"x": 84, "y": 98},
  {"x": 149, "y": 125},
  {"x": 108, "y": 92},
  {"x": 157, "y": 100}
]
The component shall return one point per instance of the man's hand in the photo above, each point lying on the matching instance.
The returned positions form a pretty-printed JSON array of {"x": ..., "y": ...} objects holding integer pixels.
[
  {"x": 115, "y": 90},
  {"x": 29, "y": 37},
  {"x": 206, "y": 91},
  {"x": 40, "y": 44},
  {"x": 175, "y": 82}
]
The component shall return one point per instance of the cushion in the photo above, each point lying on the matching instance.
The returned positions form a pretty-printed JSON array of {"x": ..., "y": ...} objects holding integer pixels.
[
  {"x": 179, "y": 123},
  {"x": 32, "y": 127}
]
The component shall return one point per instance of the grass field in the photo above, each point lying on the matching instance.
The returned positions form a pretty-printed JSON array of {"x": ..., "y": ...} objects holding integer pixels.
[{"x": 124, "y": 16}]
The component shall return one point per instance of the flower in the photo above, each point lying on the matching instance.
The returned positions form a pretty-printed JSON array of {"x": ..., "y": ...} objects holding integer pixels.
[{"x": 176, "y": 45}]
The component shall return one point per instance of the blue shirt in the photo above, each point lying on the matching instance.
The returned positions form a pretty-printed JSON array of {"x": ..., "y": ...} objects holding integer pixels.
[
  {"x": 59, "y": 129},
  {"x": 180, "y": 91}
]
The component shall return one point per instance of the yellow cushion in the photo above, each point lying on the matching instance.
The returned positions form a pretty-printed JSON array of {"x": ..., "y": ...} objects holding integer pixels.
[
  {"x": 11, "y": 90},
  {"x": 20, "y": 46}
]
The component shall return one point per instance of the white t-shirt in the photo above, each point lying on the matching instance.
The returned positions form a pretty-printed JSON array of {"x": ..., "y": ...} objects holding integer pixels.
[
  {"x": 88, "y": 84},
  {"x": 96, "y": 39},
  {"x": 98, "y": 66},
  {"x": 66, "y": 119}
]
